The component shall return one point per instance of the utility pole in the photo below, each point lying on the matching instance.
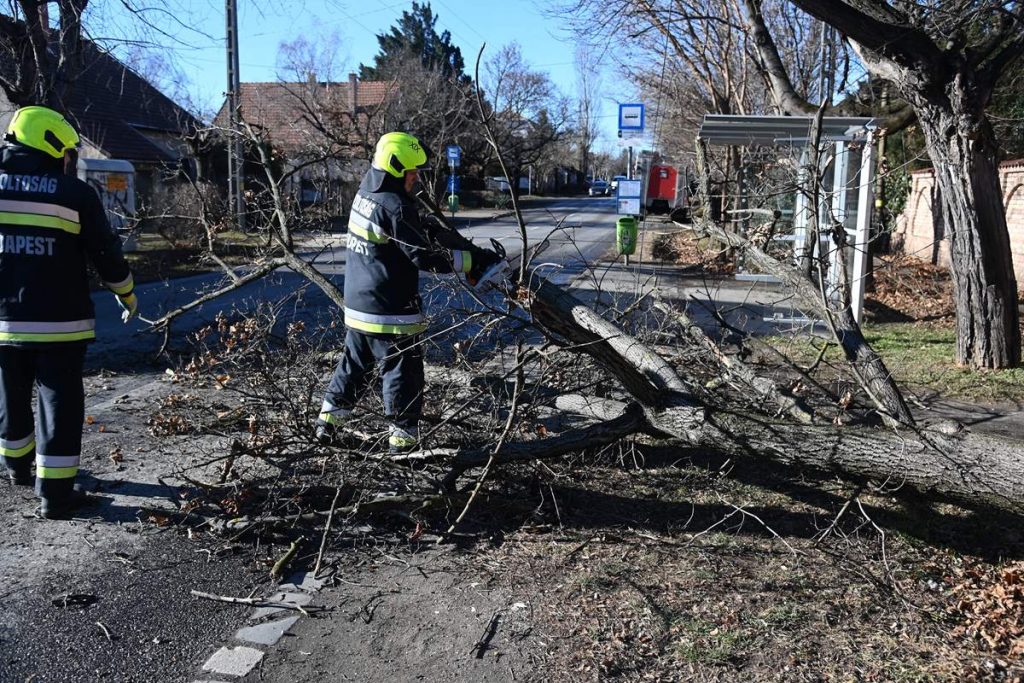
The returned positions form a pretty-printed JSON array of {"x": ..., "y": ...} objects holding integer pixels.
[{"x": 236, "y": 160}]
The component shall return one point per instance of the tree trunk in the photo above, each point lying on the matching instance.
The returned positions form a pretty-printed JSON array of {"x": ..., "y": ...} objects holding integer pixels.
[
  {"x": 865, "y": 361},
  {"x": 973, "y": 471},
  {"x": 963, "y": 152},
  {"x": 642, "y": 372}
]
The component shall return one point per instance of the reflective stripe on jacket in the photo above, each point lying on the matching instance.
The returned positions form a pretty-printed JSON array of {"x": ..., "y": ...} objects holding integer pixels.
[
  {"x": 51, "y": 226},
  {"x": 387, "y": 247}
]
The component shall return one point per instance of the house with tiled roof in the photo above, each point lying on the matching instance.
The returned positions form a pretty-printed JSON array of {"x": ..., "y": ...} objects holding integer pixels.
[
  {"x": 119, "y": 115},
  {"x": 324, "y": 128}
]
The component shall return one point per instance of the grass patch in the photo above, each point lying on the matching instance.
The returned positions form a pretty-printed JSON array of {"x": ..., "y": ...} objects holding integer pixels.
[
  {"x": 923, "y": 357},
  {"x": 926, "y": 357},
  {"x": 701, "y": 642}
]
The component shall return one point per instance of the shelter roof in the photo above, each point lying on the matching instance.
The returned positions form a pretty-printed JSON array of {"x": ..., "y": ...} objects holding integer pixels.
[{"x": 725, "y": 129}]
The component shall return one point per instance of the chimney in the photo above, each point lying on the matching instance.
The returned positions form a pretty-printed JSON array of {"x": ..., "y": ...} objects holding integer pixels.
[{"x": 353, "y": 90}]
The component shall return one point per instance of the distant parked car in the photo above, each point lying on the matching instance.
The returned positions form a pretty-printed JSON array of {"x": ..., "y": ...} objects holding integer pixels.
[
  {"x": 615, "y": 183},
  {"x": 598, "y": 188}
]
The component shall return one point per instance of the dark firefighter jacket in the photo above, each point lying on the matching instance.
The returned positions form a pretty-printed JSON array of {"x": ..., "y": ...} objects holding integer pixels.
[
  {"x": 387, "y": 247},
  {"x": 51, "y": 224}
]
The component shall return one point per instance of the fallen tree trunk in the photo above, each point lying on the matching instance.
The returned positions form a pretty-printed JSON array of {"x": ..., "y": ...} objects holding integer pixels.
[
  {"x": 878, "y": 381},
  {"x": 643, "y": 373},
  {"x": 969, "y": 470},
  {"x": 972, "y": 471},
  {"x": 762, "y": 387}
]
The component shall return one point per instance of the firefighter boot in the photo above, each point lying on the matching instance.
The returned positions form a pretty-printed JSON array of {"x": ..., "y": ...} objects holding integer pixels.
[
  {"x": 329, "y": 423},
  {"x": 21, "y": 477},
  {"x": 65, "y": 507},
  {"x": 403, "y": 440}
]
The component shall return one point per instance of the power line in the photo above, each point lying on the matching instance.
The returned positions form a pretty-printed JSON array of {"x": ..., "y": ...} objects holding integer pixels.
[{"x": 466, "y": 23}]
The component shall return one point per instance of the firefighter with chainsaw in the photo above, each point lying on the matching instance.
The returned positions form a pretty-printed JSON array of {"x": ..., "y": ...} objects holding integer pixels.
[
  {"x": 388, "y": 245},
  {"x": 51, "y": 224}
]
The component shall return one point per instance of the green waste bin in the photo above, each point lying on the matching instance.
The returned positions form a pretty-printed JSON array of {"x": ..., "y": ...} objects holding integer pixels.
[
  {"x": 453, "y": 202},
  {"x": 625, "y": 235}
]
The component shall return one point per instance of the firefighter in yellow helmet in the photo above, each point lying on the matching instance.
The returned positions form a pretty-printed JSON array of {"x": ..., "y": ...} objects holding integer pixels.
[
  {"x": 388, "y": 245},
  {"x": 51, "y": 224}
]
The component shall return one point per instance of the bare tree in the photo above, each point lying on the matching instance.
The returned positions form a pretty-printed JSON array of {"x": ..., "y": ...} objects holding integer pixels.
[
  {"x": 945, "y": 60},
  {"x": 529, "y": 115},
  {"x": 43, "y": 65},
  {"x": 304, "y": 56},
  {"x": 588, "y": 102}
]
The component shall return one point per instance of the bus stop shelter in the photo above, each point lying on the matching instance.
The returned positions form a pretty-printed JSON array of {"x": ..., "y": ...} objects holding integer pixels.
[{"x": 847, "y": 170}]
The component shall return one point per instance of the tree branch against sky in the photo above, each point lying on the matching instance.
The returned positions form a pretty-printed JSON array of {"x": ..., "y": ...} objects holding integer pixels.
[
  {"x": 529, "y": 114},
  {"x": 588, "y": 102}
]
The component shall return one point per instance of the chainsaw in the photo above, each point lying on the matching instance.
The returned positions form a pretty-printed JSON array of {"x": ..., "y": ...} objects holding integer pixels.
[{"x": 496, "y": 274}]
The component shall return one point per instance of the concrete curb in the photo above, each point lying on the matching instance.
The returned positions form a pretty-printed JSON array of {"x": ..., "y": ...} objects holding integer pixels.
[{"x": 237, "y": 661}]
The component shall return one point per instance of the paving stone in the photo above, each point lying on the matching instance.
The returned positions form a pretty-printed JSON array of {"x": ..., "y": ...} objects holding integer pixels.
[
  {"x": 233, "y": 661},
  {"x": 298, "y": 599},
  {"x": 302, "y": 581},
  {"x": 266, "y": 634}
]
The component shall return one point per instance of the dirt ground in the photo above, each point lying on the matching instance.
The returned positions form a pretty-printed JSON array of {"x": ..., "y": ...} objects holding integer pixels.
[{"x": 642, "y": 562}]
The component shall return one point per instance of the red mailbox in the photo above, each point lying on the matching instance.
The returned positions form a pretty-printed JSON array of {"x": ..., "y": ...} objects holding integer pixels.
[{"x": 661, "y": 188}]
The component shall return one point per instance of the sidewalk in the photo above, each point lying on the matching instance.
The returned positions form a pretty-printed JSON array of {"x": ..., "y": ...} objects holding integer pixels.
[{"x": 761, "y": 309}]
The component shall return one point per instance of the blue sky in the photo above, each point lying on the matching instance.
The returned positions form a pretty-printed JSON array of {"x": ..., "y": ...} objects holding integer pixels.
[{"x": 263, "y": 26}]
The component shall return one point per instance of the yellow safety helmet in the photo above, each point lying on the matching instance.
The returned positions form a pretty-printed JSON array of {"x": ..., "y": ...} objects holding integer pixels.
[
  {"x": 43, "y": 129},
  {"x": 397, "y": 153}
]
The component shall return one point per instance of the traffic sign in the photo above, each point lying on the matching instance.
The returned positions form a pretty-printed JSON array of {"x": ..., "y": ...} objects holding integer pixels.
[
  {"x": 454, "y": 154},
  {"x": 628, "y": 206},
  {"x": 629, "y": 189},
  {"x": 627, "y": 197},
  {"x": 631, "y": 117}
]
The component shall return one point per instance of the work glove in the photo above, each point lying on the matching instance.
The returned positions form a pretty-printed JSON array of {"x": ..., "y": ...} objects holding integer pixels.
[
  {"x": 483, "y": 261},
  {"x": 129, "y": 306},
  {"x": 433, "y": 227}
]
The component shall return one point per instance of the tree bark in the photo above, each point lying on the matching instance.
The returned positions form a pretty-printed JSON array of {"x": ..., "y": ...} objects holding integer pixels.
[
  {"x": 642, "y": 372},
  {"x": 963, "y": 152},
  {"x": 969, "y": 470}
]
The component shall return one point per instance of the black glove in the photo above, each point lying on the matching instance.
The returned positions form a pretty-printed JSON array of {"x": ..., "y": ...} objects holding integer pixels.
[
  {"x": 432, "y": 227},
  {"x": 482, "y": 260}
]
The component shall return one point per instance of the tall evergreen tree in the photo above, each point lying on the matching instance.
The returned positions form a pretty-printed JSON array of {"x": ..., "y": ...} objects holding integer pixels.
[{"x": 415, "y": 36}]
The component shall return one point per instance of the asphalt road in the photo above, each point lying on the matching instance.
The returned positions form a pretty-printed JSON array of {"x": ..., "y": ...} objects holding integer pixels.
[
  {"x": 579, "y": 230},
  {"x": 107, "y": 598}
]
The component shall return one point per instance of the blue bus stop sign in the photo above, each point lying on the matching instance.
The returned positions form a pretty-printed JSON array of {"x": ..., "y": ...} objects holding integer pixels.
[
  {"x": 454, "y": 154},
  {"x": 631, "y": 117}
]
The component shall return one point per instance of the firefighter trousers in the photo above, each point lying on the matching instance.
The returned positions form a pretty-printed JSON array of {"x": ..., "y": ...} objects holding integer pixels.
[
  {"x": 400, "y": 361},
  {"x": 54, "y": 437}
]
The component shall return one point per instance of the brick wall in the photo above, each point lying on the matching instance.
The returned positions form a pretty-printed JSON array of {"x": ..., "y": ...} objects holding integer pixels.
[{"x": 923, "y": 236}]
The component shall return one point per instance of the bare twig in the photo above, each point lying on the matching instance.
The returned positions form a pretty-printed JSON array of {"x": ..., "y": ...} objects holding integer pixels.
[
  {"x": 512, "y": 412},
  {"x": 277, "y": 571},
  {"x": 106, "y": 631},
  {"x": 327, "y": 530},
  {"x": 254, "y": 602}
]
